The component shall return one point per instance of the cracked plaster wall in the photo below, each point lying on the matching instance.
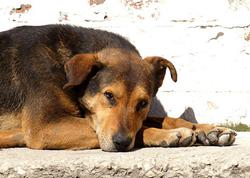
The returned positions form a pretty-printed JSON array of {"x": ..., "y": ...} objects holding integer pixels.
[{"x": 207, "y": 40}]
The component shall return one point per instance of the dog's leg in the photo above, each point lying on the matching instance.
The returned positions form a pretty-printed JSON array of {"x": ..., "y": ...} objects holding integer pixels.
[
  {"x": 63, "y": 133},
  {"x": 11, "y": 138},
  {"x": 149, "y": 136},
  {"x": 207, "y": 134}
]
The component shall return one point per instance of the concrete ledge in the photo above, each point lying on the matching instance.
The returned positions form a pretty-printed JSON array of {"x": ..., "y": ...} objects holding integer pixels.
[{"x": 233, "y": 161}]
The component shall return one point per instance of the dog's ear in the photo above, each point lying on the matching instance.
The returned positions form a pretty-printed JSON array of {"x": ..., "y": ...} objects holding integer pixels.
[
  {"x": 159, "y": 65},
  {"x": 79, "y": 67}
]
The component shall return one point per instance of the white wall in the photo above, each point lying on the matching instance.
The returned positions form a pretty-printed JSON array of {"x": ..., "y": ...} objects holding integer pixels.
[{"x": 212, "y": 74}]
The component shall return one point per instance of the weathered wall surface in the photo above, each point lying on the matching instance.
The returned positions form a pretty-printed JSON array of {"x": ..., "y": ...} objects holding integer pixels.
[{"x": 208, "y": 41}]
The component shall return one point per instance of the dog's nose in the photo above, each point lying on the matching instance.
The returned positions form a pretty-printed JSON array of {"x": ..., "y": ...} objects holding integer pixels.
[{"x": 121, "y": 141}]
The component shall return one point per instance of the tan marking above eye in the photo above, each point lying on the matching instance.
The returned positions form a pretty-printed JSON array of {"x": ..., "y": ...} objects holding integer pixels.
[
  {"x": 138, "y": 95},
  {"x": 118, "y": 89}
]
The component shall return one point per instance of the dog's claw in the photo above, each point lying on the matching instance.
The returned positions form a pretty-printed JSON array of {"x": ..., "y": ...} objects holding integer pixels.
[
  {"x": 174, "y": 143},
  {"x": 187, "y": 141},
  {"x": 201, "y": 138},
  {"x": 213, "y": 137}
]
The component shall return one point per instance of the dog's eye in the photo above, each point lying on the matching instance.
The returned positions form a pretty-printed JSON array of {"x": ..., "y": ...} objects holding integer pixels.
[
  {"x": 110, "y": 97},
  {"x": 141, "y": 105}
]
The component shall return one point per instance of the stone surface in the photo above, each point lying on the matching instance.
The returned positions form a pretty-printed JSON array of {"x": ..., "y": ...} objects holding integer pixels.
[{"x": 186, "y": 162}]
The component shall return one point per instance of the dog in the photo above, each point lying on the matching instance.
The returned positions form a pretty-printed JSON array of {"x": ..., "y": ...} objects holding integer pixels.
[{"x": 68, "y": 87}]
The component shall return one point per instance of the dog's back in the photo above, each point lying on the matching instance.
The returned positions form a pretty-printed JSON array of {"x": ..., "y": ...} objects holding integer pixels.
[{"x": 32, "y": 57}]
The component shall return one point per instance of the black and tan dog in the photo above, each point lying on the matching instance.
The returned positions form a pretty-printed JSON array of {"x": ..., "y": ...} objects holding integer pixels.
[{"x": 64, "y": 87}]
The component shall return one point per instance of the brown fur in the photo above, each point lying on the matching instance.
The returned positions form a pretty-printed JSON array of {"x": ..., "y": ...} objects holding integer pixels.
[{"x": 76, "y": 88}]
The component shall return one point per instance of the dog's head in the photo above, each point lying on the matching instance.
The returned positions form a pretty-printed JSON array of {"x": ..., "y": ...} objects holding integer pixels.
[{"x": 116, "y": 87}]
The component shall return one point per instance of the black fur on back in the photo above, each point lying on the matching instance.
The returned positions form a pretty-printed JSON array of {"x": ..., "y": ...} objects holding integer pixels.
[{"x": 31, "y": 57}]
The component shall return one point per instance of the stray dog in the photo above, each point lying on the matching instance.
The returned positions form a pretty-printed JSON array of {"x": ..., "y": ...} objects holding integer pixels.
[{"x": 66, "y": 87}]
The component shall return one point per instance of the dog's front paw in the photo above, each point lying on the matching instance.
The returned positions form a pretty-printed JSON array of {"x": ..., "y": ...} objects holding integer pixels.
[
  {"x": 218, "y": 136},
  {"x": 187, "y": 138},
  {"x": 169, "y": 138},
  {"x": 161, "y": 137}
]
